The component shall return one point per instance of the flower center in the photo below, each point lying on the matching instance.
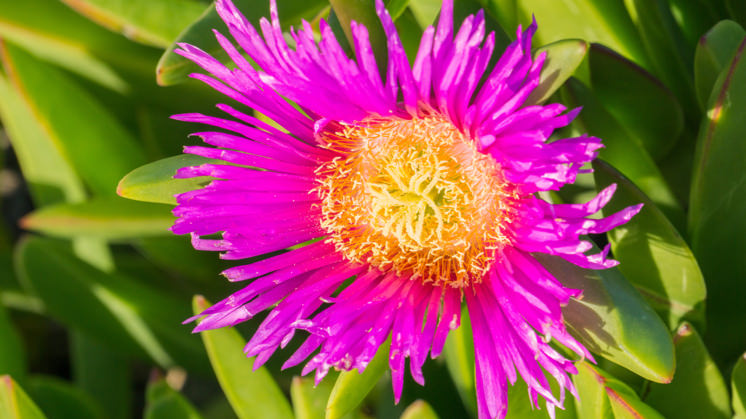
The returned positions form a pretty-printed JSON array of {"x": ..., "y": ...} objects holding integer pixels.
[{"x": 414, "y": 195}]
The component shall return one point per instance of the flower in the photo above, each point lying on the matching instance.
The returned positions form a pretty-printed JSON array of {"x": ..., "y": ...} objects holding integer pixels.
[{"x": 390, "y": 202}]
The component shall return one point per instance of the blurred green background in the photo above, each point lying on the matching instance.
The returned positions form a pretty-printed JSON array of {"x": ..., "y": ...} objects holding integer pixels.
[{"x": 93, "y": 287}]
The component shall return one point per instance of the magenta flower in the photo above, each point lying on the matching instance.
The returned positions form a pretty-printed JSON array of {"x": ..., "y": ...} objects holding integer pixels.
[{"x": 398, "y": 200}]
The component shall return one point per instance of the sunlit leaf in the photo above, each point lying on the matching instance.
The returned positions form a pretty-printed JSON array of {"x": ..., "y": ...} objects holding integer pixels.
[
  {"x": 108, "y": 218},
  {"x": 593, "y": 403},
  {"x": 714, "y": 52},
  {"x": 698, "y": 389},
  {"x": 351, "y": 387},
  {"x": 80, "y": 128},
  {"x": 664, "y": 41},
  {"x": 309, "y": 400},
  {"x": 653, "y": 255},
  {"x": 612, "y": 320},
  {"x": 419, "y": 410},
  {"x": 15, "y": 403},
  {"x": 623, "y": 401},
  {"x": 563, "y": 58},
  {"x": 154, "y": 181},
  {"x": 251, "y": 392},
  {"x": 154, "y": 22},
  {"x": 738, "y": 388},
  {"x": 717, "y": 205},
  {"x": 603, "y": 21},
  {"x": 173, "y": 68}
]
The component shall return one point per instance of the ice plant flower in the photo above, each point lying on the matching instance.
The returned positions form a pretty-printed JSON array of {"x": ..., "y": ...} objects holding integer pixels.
[{"x": 390, "y": 202}]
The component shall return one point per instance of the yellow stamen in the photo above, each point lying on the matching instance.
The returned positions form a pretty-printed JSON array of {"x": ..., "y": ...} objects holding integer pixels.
[{"x": 414, "y": 195}]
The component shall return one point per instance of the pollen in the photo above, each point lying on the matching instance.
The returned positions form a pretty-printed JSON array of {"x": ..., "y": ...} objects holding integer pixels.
[{"x": 414, "y": 196}]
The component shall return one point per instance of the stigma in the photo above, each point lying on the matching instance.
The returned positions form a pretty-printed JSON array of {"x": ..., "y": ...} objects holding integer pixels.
[{"x": 414, "y": 196}]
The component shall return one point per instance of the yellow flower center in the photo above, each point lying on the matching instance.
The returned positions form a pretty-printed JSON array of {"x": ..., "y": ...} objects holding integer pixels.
[{"x": 414, "y": 195}]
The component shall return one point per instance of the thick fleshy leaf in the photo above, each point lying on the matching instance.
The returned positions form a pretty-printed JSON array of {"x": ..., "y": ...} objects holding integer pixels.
[
  {"x": 459, "y": 355},
  {"x": 15, "y": 403},
  {"x": 129, "y": 315},
  {"x": 520, "y": 405},
  {"x": 82, "y": 130},
  {"x": 163, "y": 402},
  {"x": 714, "y": 52},
  {"x": 664, "y": 41},
  {"x": 154, "y": 181},
  {"x": 173, "y": 68},
  {"x": 50, "y": 176},
  {"x": 563, "y": 58},
  {"x": 57, "y": 34},
  {"x": 12, "y": 353},
  {"x": 251, "y": 392},
  {"x": 652, "y": 254},
  {"x": 613, "y": 320},
  {"x": 362, "y": 12},
  {"x": 351, "y": 387},
  {"x": 419, "y": 410},
  {"x": 111, "y": 218},
  {"x": 738, "y": 388},
  {"x": 623, "y": 150},
  {"x": 154, "y": 22},
  {"x": 309, "y": 400},
  {"x": 695, "y": 17},
  {"x": 593, "y": 403},
  {"x": 603, "y": 21},
  {"x": 623, "y": 402},
  {"x": 59, "y": 399},
  {"x": 637, "y": 99},
  {"x": 425, "y": 11},
  {"x": 717, "y": 205},
  {"x": 698, "y": 389}
]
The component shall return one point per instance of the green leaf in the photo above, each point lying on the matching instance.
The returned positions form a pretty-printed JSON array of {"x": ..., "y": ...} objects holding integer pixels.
[
  {"x": 252, "y": 394},
  {"x": 14, "y": 403},
  {"x": 419, "y": 410},
  {"x": 592, "y": 402},
  {"x": 717, "y": 205},
  {"x": 459, "y": 355},
  {"x": 738, "y": 388},
  {"x": 351, "y": 387},
  {"x": 622, "y": 149},
  {"x": 163, "y": 402},
  {"x": 153, "y": 22},
  {"x": 653, "y": 255},
  {"x": 50, "y": 175},
  {"x": 309, "y": 400},
  {"x": 698, "y": 389},
  {"x": 362, "y": 12},
  {"x": 61, "y": 400},
  {"x": 714, "y": 52},
  {"x": 425, "y": 11},
  {"x": 664, "y": 41},
  {"x": 55, "y": 33},
  {"x": 612, "y": 320},
  {"x": 520, "y": 405},
  {"x": 130, "y": 316},
  {"x": 80, "y": 128},
  {"x": 154, "y": 181},
  {"x": 610, "y": 392},
  {"x": 12, "y": 353},
  {"x": 602, "y": 21},
  {"x": 695, "y": 17},
  {"x": 173, "y": 68},
  {"x": 637, "y": 100},
  {"x": 563, "y": 58},
  {"x": 396, "y": 7},
  {"x": 113, "y": 390},
  {"x": 107, "y": 218}
]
